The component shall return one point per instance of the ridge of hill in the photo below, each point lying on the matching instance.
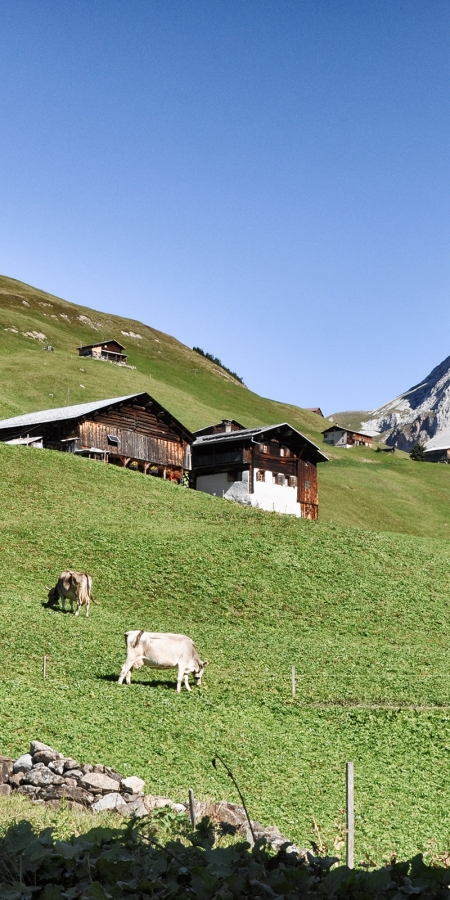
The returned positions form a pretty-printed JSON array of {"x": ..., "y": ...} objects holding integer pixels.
[
  {"x": 194, "y": 389},
  {"x": 420, "y": 413},
  {"x": 356, "y": 487}
]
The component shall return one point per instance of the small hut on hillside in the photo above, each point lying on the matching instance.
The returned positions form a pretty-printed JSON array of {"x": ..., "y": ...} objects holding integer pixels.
[
  {"x": 110, "y": 350},
  {"x": 133, "y": 431}
]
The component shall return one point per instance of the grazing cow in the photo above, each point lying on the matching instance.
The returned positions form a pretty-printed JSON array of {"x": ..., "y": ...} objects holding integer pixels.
[
  {"x": 162, "y": 651},
  {"x": 73, "y": 586}
]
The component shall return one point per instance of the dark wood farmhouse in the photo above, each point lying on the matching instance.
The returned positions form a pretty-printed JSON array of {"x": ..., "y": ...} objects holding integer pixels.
[
  {"x": 110, "y": 350},
  {"x": 134, "y": 431},
  {"x": 272, "y": 467},
  {"x": 339, "y": 436}
]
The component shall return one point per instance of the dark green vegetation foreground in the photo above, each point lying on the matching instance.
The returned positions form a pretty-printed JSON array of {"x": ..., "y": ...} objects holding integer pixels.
[
  {"x": 362, "y": 616},
  {"x": 124, "y": 862},
  {"x": 357, "y": 487}
]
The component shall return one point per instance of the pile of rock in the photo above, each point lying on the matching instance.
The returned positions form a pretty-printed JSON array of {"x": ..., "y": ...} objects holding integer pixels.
[{"x": 46, "y": 776}]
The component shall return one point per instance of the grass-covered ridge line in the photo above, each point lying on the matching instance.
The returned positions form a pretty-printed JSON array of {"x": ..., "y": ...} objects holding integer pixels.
[
  {"x": 358, "y": 486},
  {"x": 362, "y": 616}
]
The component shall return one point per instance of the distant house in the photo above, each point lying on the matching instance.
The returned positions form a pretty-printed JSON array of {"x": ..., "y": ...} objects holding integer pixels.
[
  {"x": 315, "y": 409},
  {"x": 133, "y": 431},
  {"x": 339, "y": 436},
  {"x": 110, "y": 350},
  {"x": 272, "y": 467},
  {"x": 437, "y": 449}
]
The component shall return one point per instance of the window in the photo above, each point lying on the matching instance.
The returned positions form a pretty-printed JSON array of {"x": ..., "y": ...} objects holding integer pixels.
[
  {"x": 307, "y": 485},
  {"x": 264, "y": 448},
  {"x": 113, "y": 439},
  {"x": 260, "y": 475},
  {"x": 292, "y": 481},
  {"x": 234, "y": 476},
  {"x": 280, "y": 478},
  {"x": 284, "y": 451}
]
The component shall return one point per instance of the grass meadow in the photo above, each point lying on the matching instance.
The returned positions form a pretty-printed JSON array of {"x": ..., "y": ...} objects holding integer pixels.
[{"x": 363, "y": 616}]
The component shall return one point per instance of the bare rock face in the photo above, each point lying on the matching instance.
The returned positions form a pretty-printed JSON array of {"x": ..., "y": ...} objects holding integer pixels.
[
  {"x": 421, "y": 413},
  {"x": 24, "y": 763},
  {"x": 99, "y": 783},
  {"x": 41, "y": 777},
  {"x": 110, "y": 801},
  {"x": 132, "y": 785},
  {"x": 63, "y": 791}
]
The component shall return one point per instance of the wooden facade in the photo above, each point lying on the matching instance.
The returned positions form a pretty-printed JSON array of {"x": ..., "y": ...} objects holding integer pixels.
[
  {"x": 135, "y": 432},
  {"x": 277, "y": 454},
  {"x": 110, "y": 350}
]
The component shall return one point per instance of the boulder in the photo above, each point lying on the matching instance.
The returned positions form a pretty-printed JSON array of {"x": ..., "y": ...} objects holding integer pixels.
[
  {"x": 98, "y": 768},
  {"x": 6, "y": 768},
  {"x": 86, "y": 768},
  {"x": 62, "y": 791},
  {"x": 56, "y": 765},
  {"x": 152, "y": 803},
  {"x": 132, "y": 785},
  {"x": 5, "y": 790},
  {"x": 35, "y": 746},
  {"x": 41, "y": 777},
  {"x": 15, "y": 780},
  {"x": 24, "y": 763},
  {"x": 73, "y": 773},
  {"x": 136, "y": 808},
  {"x": 96, "y": 782},
  {"x": 113, "y": 774},
  {"x": 29, "y": 789},
  {"x": 44, "y": 756},
  {"x": 70, "y": 763},
  {"x": 110, "y": 801},
  {"x": 71, "y": 782}
]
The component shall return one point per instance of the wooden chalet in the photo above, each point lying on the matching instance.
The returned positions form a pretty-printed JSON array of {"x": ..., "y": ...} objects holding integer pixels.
[
  {"x": 437, "y": 449},
  {"x": 272, "y": 467},
  {"x": 110, "y": 350},
  {"x": 315, "y": 409},
  {"x": 133, "y": 431},
  {"x": 340, "y": 436}
]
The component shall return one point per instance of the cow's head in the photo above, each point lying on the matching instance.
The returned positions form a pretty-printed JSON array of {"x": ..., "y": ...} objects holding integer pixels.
[
  {"x": 53, "y": 596},
  {"x": 199, "y": 671}
]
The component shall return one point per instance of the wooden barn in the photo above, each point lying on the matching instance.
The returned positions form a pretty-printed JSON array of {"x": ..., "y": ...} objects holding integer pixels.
[
  {"x": 110, "y": 350},
  {"x": 272, "y": 467},
  {"x": 339, "y": 436},
  {"x": 437, "y": 449},
  {"x": 133, "y": 431}
]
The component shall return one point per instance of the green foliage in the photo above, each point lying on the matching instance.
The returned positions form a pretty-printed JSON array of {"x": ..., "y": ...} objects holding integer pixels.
[
  {"x": 418, "y": 452},
  {"x": 217, "y": 362},
  {"x": 127, "y": 862}
]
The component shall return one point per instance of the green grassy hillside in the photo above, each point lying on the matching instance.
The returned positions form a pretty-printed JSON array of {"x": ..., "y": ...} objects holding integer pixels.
[
  {"x": 359, "y": 487},
  {"x": 362, "y": 616}
]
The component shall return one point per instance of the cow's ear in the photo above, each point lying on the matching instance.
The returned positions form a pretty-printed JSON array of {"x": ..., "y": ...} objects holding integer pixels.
[{"x": 205, "y": 663}]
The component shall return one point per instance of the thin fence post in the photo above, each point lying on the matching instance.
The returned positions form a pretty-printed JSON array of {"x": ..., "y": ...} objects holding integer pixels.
[
  {"x": 44, "y": 668},
  {"x": 350, "y": 815},
  {"x": 191, "y": 807},
  {"x": 293, "y": 681}
]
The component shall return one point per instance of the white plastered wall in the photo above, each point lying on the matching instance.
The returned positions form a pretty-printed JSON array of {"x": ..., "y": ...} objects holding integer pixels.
[
  {"x": 266, "y": 495},
  {"x": 336, "y": 439}
]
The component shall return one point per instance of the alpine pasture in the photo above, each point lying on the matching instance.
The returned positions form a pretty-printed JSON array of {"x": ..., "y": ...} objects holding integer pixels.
[{"x": 362, "y": 616}]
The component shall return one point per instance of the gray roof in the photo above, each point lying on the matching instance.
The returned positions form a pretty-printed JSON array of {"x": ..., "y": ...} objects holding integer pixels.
[
  {"x": 251, "y": 433},
  {"x": 440, "y": 441},
  {"x": 336, "y": 427},
  {"x": 61, "y": 412}
]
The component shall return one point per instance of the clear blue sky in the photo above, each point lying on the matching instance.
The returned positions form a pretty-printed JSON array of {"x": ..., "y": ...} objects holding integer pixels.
[{"x": 267, "y": 180}]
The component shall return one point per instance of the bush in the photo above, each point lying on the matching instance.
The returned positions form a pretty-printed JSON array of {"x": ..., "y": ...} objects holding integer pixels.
[{"x": 418, "y": 452}]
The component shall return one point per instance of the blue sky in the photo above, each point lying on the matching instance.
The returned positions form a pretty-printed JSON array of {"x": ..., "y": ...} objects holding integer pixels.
[{"x": 266, "y": 180}]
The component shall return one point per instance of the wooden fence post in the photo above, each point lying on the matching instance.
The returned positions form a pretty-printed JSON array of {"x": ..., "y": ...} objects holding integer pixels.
[
  {"x": 350, "y": 815},
  {"x": 44, "y": 668},
  {"x": 293, "y": 681},
  {"x": 191, "y": 807}
]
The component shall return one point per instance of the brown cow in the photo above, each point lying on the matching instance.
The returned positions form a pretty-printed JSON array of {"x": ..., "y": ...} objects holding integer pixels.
[{"x": 73, "y": 586}]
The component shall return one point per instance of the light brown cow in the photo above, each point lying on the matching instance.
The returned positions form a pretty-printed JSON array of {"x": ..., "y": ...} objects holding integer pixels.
[
  {"x": 75, "y": 587},
  {"x": 162, "y": 651}
]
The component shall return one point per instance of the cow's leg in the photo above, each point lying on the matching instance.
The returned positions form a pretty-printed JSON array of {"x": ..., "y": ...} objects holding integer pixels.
[
  {"x": 125, "y": 672},
  {"x": 88, "y": 603},
  {"x": 78, "y": 608},
  {"x": 186, "y": 682},
  {"x": 182, "y": 675}
]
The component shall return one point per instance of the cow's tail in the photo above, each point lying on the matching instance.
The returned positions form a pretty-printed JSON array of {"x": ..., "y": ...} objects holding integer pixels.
[{"x": 137, "y": 639}]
